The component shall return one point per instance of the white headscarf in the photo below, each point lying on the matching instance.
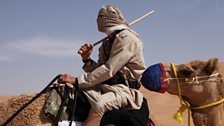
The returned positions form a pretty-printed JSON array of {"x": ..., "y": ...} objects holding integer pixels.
[
  {"x": 111, "y": 19},
  {"x": 110, "y": 16}
]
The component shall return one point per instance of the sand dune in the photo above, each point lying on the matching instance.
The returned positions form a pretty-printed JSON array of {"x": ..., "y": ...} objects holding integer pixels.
[
  {"x": 162, "y": 108},
  {"x": 4, "y": 98}
]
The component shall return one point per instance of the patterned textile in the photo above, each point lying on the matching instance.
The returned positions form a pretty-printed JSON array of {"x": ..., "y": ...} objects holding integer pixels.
[
  {"x": 110, "y": 16},
  {"x": 154, "y": 78}
]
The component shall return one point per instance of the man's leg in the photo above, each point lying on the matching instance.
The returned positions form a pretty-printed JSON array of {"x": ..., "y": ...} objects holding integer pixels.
[
  {"x": 93, "y": 119},
  {"x": 127, "y": 117},
  {"x": 107, "y": 98}
]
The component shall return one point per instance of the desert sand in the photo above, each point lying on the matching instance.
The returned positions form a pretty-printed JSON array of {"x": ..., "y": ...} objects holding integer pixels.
[{"x": 162, "y": 107}]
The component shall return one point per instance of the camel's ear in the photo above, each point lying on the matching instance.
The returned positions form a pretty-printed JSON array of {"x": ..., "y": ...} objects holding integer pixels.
[{"x": 211, "y": 65}]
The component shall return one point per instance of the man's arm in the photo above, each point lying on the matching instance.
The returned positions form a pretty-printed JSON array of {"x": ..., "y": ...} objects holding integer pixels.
[{"x": 121, "y": 53}]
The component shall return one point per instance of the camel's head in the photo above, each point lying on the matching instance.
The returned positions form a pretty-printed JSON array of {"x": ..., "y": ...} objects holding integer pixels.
[
  {"x": 161, "y": 77},
  {"x": 200, "y": 83},
  {"x": 195, "y": 68},
  {"x": 191, "y": 76}
]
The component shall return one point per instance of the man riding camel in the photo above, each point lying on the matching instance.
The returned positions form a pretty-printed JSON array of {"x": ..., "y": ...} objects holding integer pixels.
[{"x": 113, "y": 81}]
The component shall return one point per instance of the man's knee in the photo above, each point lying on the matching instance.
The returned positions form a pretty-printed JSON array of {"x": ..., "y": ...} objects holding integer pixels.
[{"x": 99, "y": 107}]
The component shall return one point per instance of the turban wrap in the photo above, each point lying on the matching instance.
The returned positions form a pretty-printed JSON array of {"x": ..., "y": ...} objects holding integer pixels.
[{"x": 110, "y": 16}]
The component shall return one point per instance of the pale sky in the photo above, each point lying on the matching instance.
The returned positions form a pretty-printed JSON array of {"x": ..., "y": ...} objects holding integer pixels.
[{"x": 39, "y": 39}]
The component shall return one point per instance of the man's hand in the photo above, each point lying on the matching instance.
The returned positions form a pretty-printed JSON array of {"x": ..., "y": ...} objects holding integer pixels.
[
  {"x": 67, "y": 78},
  {"x": 85, "y": 51}
]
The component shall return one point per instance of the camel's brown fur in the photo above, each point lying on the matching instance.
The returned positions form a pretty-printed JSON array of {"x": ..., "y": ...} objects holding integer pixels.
[
  {"x": 33, "y": 115},
  {"x": 203, "y": 93}
]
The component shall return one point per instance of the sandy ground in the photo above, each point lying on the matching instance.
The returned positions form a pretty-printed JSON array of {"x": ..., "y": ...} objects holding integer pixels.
[
  {"x": 4, "y": 98},
  {"x": 162, "y": 108}
]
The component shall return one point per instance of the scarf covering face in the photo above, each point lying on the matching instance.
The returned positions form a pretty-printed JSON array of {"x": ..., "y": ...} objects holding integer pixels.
[
  {"x": 110, "y": 16},
  {"x": 153, "y": 78}
]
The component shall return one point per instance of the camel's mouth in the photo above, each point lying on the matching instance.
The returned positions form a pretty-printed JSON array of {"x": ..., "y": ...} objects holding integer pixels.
[{"x": 154, "y": 78}]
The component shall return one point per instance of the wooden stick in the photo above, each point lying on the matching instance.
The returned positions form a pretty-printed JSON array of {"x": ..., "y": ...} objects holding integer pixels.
[{"x": 130, "y": 24}]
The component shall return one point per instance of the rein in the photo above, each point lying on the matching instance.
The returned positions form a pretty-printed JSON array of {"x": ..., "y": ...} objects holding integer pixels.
[{"x": 184, "y": 105}]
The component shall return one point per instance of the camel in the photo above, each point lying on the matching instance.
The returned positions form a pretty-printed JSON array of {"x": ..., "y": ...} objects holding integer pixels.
[
  {"x": 199, "y": 85},
  {"x": 33, "y": 115}
]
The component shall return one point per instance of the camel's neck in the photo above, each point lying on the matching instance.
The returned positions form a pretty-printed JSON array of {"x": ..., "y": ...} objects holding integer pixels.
[
  {"x": 221, "y": 71},
  {"x": 212, "y": 116}
]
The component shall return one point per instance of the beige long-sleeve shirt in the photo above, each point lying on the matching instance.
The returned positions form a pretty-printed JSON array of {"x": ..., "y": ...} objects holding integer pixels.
[{"x": 126, "y": 56}]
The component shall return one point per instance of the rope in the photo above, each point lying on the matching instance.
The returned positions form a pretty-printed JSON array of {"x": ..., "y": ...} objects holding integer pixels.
[
  {"x": 195, "y": 79},
  {"x": 179, "y": 114},
  {"x": 74, "y": 106},
  {"x": 208, "y": 105},
  {"x": 61, "y": 108}
]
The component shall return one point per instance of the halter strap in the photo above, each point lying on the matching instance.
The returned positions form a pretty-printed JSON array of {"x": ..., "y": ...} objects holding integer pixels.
[
  {"x": 178, "y": 115},
  {"x": 194, "y": 79},
  {"x": 208, "y": 105}
]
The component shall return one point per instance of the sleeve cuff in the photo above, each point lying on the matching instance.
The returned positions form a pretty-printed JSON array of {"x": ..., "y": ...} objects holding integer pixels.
[{"x": 87, "y": 60}]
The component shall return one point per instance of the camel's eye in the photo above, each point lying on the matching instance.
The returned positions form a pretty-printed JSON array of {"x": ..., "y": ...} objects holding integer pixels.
[{"x": 186, "y": 72}]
